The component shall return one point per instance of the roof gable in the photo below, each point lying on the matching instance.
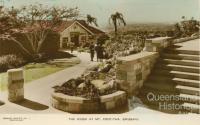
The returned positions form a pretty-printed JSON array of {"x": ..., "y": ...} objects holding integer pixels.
[{"x": 82, "y": 23}]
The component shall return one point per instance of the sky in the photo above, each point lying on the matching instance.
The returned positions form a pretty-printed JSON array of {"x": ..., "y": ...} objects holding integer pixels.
[{"x": 134, "y": 11}]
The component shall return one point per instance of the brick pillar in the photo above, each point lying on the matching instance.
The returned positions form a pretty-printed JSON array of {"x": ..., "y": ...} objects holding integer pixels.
[{"x": 15, "y": 85}]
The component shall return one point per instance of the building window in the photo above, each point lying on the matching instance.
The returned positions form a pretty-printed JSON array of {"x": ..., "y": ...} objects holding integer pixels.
[
  {"x": 83, "y": 38},
  {"x": 65, "y": 39},
  {"x": 64, "y": 42}
]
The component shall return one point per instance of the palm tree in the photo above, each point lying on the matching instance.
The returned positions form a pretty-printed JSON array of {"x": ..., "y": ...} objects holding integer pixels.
[
  {"x": 117, "y": 19},
  {"x": 183, "y": 17},
  {"x": 177, "y": 30},
  {"x": 91, "y": 20}
]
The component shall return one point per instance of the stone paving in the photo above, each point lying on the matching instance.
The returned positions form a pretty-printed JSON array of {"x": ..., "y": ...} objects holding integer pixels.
[{"x": 190, "y": 45}]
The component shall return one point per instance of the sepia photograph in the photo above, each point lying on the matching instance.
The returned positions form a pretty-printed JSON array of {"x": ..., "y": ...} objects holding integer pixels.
[{"x": 122, "y": 61}]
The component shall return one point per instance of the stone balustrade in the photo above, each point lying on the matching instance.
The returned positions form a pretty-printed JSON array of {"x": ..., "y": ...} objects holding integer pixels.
[
  {"x": 132, "y": 71},
  {"x": 184, "y": 39},
  {"x": 15, "y": 85},
  {"x": 76, "y": 104},
  {"x": 157, "y": 44}
]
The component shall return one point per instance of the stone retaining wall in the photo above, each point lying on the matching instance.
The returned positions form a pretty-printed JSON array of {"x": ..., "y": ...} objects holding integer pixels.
[
  {"x": 81, "y": 105},
  {"x": 113, "y": 100},
  {"x": 132, "y": 71}
]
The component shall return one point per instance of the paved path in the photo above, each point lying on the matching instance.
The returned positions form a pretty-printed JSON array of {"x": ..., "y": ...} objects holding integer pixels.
[{"x": 40, "y": 90}]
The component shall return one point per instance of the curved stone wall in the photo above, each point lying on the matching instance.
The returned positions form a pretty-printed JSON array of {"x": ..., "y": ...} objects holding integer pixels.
[{"x": 76, "y": 104}]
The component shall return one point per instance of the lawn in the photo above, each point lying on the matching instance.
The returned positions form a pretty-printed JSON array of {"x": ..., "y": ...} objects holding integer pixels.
[{"x": 33, "y": 71}]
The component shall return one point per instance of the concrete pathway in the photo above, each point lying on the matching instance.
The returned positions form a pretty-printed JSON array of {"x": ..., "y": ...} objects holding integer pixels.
[{"x": 38, "y": 92}]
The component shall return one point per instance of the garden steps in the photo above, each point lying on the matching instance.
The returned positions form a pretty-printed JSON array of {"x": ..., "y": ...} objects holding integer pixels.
[
  {"x": 187, "y": 82},
  {"x": 183, "y": 68},
  {"x": 162, "y": 86},
  {"x": 181, "y": 56},
  {"x": 195, "y": 108},
  {"x": 178, "y": 51},
  {"x": 190, "y": 98},
  {"x": 177, "y": 72},
  {"x": 155, "y": 103},
  {"x": 188, "y": 90},
  {"x": 176, "y": 81},
  {"x": 181, "y": 62}
]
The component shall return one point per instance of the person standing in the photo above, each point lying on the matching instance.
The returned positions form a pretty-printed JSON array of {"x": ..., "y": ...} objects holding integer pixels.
[
  {"x": 72, "y": 47},
  {"x": 92, "y": 51},
  {"x": 97, "y": 48},
  {"x": 101, "y": 53}
]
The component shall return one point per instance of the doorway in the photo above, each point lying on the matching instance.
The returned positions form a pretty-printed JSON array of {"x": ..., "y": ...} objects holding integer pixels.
[{"x": 75, "y": 38}]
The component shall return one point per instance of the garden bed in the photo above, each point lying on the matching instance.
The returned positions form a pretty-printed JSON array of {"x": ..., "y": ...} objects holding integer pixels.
[
  {"x": 95, "y": 91},
  {"x": 75, "y": 104}
]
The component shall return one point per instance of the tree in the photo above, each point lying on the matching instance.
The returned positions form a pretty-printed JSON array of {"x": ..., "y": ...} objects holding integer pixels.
[
  {"x": 188, "y": 27},
  {"x": 117, "y": 19},
  {"x": 177, "y": 31},
  {"x": 91, "y": 20},
  {"x": 183, "y": 17},
  {"x": 35, "y": 22}
]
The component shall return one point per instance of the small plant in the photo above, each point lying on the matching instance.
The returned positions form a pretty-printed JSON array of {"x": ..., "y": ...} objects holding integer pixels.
[{"x": 10, "y": 61}]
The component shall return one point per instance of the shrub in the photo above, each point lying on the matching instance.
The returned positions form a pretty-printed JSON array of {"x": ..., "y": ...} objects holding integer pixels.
[
  {"x": 102, "y": 38},
  {"x": 10, "y": 61}
]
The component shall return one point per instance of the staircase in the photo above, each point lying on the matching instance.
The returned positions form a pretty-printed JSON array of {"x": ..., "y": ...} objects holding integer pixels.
[{"x": 177, "y": 74}]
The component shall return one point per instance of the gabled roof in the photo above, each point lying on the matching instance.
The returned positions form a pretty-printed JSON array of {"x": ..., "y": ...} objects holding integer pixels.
[{"x": 66, "y": 24}]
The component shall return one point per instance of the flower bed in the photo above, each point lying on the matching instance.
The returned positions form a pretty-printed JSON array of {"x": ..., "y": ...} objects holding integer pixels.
[
  {"x": 94, "y": 91},
  {"x": 75, "y": 104}
]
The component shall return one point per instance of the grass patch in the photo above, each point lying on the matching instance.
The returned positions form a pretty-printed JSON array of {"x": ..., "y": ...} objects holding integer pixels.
[{"x": 35, "y": 71}]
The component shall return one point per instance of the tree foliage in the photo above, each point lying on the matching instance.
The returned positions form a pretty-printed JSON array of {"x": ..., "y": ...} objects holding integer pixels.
[
  {"x": 186, "y": 27},
  {"x": 35, "y": 22},
  {"x": 91, "y": 20},
  {"x": 117, "y": 19}
]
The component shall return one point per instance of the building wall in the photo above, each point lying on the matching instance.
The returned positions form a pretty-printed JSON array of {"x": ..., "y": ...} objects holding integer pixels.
[{"x": 73, "y": 28}]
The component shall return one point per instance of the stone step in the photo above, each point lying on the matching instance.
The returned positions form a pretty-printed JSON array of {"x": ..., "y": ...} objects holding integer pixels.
[
  {"x": 190, "y": 98},
  {"x": 155, "y": 104},
  {"x": 159, "y": 79},
  {"x": 182, "y": 68},
  {"x": 177, "y": 74},
  {"x": 191, "y": 107},
  {"x": 175, "y": 81},
  {"x": 181, "y": 62},
  {"x": 145, "y": 90},
  {"x": 161, "y": 86},
  {"x": 188, "y": 90},
  {"x": 187, "y": 82},
  {"x": 178, "y": 51},
  {"x": 180, "y": 56}
]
